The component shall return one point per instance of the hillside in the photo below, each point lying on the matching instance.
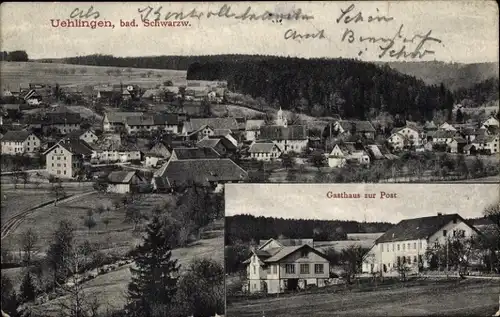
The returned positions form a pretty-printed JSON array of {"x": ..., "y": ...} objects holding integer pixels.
[
  {"x": 453, "y": 75},
  {"x": 328, "y": 87},
  {"x": 16, "y": 74}
]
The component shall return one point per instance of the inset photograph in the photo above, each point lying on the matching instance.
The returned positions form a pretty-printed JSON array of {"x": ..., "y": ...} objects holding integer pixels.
[{"x": 362, "y": 250}]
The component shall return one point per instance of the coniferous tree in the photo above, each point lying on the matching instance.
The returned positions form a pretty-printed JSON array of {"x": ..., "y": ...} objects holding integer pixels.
[
  {"x": 154, "y": 279},
  {"x": 27, "y": 288}
]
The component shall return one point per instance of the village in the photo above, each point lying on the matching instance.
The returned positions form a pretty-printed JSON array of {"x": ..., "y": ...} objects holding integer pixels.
[{"x": 74, "y": 134}]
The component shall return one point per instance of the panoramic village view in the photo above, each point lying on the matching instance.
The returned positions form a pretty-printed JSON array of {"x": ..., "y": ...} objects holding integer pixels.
[
  {"x": 113, "y": 169},
  {"x": 434, "y": 262}
]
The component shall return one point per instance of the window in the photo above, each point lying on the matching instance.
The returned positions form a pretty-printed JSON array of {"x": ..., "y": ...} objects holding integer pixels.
[
  {"x": 254, "y": 269},
  {"x": 28, "y": 143},
  {"x": 409, "y": 260},
  {"x": 304, "y": 269},
  {"x": 409, "y": 246},
  {"x": 52, "y": 164},
  {"x": 398, "y": 246},
  {"x": 65, "y": 158},
  {"x": 399, "y": 260},
  {"x": 303, "y": 254},
  {"x": 64, "y": 172},
  {"x": 455, "y": 220},
  {"x": 404, "y": 260},
  {"x": 392, "y": 247},
  {"x": 420, "y": 244},
  {"x": 414, "y": 245},
  {"x": 444, "y": 233},
  {"x": 415, "y": 259},
  {"x": 290, "y": 268},
  {"x": 58, "y": 172},
  {"x": 404, "y": 246},
  {"x": 275, "y": 269},
  {"x": 318, "y": 268}
]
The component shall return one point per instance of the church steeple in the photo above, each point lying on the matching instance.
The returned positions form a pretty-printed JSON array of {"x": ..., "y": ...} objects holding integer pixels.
[{"x": 280, "y": 119}]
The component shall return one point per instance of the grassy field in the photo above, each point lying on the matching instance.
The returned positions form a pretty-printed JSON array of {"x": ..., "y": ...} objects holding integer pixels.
[
  {"x": 14, "y": 74},
  {"x": 117, "y": 237},
  {"x": 111, "y": 288},
  {"x": 435, "y": 298}
]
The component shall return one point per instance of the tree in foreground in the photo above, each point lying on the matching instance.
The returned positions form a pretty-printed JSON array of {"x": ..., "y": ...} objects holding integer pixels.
[
  {"x": 201, "y": 290},
  {"x": 27, "y": 289},
  {"x": 154, "y": 279},
  {"x": 9, "y": 298}
]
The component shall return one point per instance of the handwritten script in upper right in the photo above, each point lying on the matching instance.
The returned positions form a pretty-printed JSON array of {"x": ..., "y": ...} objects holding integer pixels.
[{"x": 401, "y": 45}]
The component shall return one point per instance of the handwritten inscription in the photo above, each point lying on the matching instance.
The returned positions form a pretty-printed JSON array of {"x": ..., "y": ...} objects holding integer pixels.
[
  {"x": 150, "y": 13},
  {"x": 82, "y": 14},
  {"x": 295, "y": 35},
  {"x": 398, "y": 46}
]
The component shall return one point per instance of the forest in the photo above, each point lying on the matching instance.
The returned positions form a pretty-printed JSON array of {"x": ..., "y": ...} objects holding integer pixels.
[
  {"x": 326, "y": 87},
  {"x": 14, "y": 56},
  {"x": 245, "y": 228},
  {"x": 479, "y": 93}
]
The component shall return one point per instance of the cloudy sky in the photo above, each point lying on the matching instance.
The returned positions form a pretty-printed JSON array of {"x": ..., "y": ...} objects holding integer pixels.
[
  {"x": 467, "y": 31},
  {"x": 310, "y": 201}
]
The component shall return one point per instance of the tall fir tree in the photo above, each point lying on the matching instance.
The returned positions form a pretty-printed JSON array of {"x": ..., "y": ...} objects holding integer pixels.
[{"x": 154, "y": 279}]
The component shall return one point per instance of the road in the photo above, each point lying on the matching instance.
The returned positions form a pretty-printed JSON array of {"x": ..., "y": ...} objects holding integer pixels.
[{"x": 14, "y": 222}]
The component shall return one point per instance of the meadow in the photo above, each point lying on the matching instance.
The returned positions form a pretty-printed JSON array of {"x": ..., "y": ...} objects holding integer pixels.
[
  {"x": 425, "y": 298},
  {"x": 16, "y": 74}
]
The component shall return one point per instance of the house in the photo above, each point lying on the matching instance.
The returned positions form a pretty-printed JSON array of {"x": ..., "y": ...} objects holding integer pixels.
[
  {"x": 211, "y": 124},
  {"x": 430, "y": 126},
  {"x": 352, "y": 127},
  {"x": 487, "y": 143},
  {"x": 86, "y": 135},
  {"x": 221, "y": 145},
  {"x": 469, "y": 134},
  {"x": 447, "y": 127},
  {"x": 64, "y": 123},
  {"x": 491, "y": 121},
  {"x": 20, "y": 142},
  {"x": 148, "y": 123},
  {"x": 407, "y": 242},
  {"x": 126, "y": 95},
  {"x": 457, "y": 145},
  {"x": 194, "y": 153},
  {"x": 212, "y": 173},
  {"x": 275, "y": 268},
  {"x": 114, "y": 152},
  {"x": 115, "y": 121},
  {"x": 470, "y": 149},
  {"x": 252, "y": 129},
  {"x": 156, "y": 154},
  {"x": 123, "y": 182},
  {"x": 155, "y": 95},
  {"x": 409, "y": 135},
  {"x": 264, "y": 151},
  {"x": 348, "y": 152},
  {"x": 442, "y": 136},
  {"x": 66, "y": 158},
  {"x": 225, "y": 133}
]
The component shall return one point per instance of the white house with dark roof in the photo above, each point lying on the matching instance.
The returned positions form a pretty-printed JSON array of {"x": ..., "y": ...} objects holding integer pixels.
[
  {"x": 276, "y": 266},
  {"x": 406, "y": 136},
  {"x": 86, "y": 135},
  {"x": 346, "y": 152},
  {"x": 115, "y": 121},
  {"x": 66, "y": 158},
  {"x": 407, "y": 242},
  {"x": 264, "y": 151},
  {"x": 491, "y": 121},
  {"x": 352, "y": 127},
  {"x": 123, "y": 182},
  {"x": 20, "y": 142}
]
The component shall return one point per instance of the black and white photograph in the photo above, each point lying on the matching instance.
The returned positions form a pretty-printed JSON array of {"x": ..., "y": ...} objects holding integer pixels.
[
  {"x": 123, "y": 124},
  {"x": 362, "y": 250}
]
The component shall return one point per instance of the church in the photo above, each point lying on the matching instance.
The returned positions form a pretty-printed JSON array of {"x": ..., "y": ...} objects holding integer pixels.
[{"x": 289, "y": 138}]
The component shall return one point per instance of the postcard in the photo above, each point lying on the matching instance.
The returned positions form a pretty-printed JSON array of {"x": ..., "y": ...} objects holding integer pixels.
[{"x": 127, "y": 129}]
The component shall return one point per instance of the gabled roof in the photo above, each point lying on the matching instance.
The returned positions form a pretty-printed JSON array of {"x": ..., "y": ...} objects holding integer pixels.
[
  {"x": 195, "y": 153},
  {"x": 375, "y": 151},
  {"x": 121, "y": 117},
  {"x": 121, "y": 177},
  {"x": 459, "y": 139},
  {"x": 264, "y": 147},
  {"x": 359, "y": 125},
  {"x": 276, "y": 132},
  {"x": 15, "y": 136},
  {"x": 418, "y": 228},
  {"x": 213, "y": 123},
  {"x": 213, "y": 142},
  {"x": 222, "y": 132},
  {"x": 286, "y": 251},
  {"x": 78, "y": 133},
  {"x": 152, "y": 93},
  {"x": 444, "y": 134},
  {"x": 252, "y": 125},
  {"x": 485, "y": 138},
  {"x": 75, "y": 146},
  {"x": 58, "y": 118},
  {"x": 202, "y": 172},
  {"x": 286, "y": 242}
]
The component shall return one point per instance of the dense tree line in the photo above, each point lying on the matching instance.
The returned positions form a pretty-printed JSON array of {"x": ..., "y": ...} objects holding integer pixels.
[
  {"x": 480, "y": 93},
  {"x": 345, "y": 87},
  {"x": 153, "y": 62},
  {"x": 14, "y": 56},
  {"x": 246, "y": 228}
]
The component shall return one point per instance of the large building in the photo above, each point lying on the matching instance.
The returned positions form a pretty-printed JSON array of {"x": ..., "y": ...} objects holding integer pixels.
[
  {"x": 276, "y": 266},
  {"x": 289, "y": 138},
  {"x": 66, "y": 158},
  {"x": 20, "y": 142},
  {"x": 407, "y": 243}
]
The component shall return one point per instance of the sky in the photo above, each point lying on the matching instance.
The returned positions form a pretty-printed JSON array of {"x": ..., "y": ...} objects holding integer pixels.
[
  {"x": 464, "y": 31},
  {"x": 310, "y": 201}
]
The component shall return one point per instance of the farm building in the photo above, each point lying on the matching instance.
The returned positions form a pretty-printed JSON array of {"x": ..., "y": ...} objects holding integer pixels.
[{"x": 122, "y": 182}]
